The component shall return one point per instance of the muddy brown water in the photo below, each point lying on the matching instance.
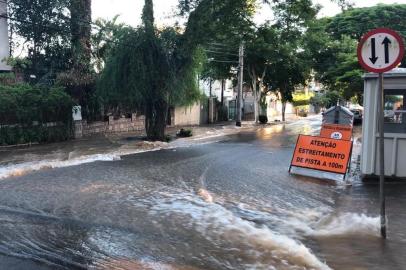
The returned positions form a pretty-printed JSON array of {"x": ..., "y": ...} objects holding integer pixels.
[{"x": 224, "y": 205}]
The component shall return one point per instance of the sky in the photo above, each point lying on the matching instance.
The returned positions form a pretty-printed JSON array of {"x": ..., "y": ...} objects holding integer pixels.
[{"x": 130, "y": 10}]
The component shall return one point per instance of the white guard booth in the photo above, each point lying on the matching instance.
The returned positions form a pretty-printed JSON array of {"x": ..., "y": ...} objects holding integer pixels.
[{"x": 394, "y": 127}]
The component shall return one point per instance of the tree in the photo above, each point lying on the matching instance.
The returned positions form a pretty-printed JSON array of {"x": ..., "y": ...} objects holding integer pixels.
[
  {"x": 292, "y": 19},
  {"x": 103, "y": 40},
  {"x": 332, "y": 44},
  {"x": 287, "y": 71},
  {"x": 80, "y": 22},
  {"x": 41, "y": 28},
  {"x": 150, "y": 70},
  {"x": 290, "y": 67},
  {"x": 261, "y": 51},
  {"x": 79, "y": 80},
  {"x": 335, "y": 61},
  {"x": 356, "y": 22}
]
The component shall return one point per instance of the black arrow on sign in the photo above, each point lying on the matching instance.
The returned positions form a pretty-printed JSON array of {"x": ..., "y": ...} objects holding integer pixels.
[
  {"x": 386, "y": 42},
  {"x": 373, "y": 48}
]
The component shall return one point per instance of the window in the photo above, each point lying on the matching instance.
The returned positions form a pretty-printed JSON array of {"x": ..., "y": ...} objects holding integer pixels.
[
  {"x": 395, "y": 111},
  {"x": 393, "y": 108}
]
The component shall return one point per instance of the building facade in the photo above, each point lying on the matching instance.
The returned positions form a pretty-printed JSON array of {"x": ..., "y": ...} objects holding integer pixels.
[{"x": 4, "y": 41}]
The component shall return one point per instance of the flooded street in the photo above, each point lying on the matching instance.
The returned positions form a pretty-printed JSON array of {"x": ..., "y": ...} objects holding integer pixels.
[{"x": 229, "y": 204}]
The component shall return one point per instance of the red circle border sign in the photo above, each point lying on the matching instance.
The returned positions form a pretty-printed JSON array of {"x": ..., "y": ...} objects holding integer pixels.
[{"x": 376, "y": 31}]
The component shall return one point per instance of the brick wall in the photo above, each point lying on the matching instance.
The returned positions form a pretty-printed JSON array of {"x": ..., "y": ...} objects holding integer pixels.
[{"x": 133, "y": 124}]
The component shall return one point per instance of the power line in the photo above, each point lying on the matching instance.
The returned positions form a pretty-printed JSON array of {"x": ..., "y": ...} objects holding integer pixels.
[
  {"x": 219, "y": 52},
  {"x": 223, "y": 47},
  {"x": 222, "y": 61}
]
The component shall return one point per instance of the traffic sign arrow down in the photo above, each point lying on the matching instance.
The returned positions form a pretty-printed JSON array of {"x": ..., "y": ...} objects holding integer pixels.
[{"x": 380, "y": 50}]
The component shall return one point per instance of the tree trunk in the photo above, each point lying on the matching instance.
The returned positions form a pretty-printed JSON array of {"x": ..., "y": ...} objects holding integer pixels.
[
  {"x": 254, "y": 79},
  {"x": 262, "y": 110},
  {"x": 223, "y": 86},
  {"x": 261, "y": 86},
  {"x": 155, "y": 120},
  {"x": 283, "y": 110},
  {"x": 81, "y": 19},
  {"x": 256, "y": 109},
  {"x": 210, "y": 87}
]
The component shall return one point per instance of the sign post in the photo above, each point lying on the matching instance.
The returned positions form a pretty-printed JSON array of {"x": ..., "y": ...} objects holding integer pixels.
[{"x": 379, "y": 51}]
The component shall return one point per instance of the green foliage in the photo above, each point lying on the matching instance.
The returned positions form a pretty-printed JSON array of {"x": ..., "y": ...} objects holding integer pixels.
[
  {"x": 19, "y": 63},
  {"x": 288, "y": 70},
  {"x": 104, "y": 40},
  {"x": 158, "y": 70},
  {"x": 7, "y": 78},
  {"x": 357, "y": 21},
  {"x": 43, "y": 28},
  {"x": 80, "y": 26},
  {"x": 25, "y": 112},
  {"x": 148, "y": 15},
  {"x": 219, "y": 27},
  {"x": 319, "y": 101},
  {"x": 332, "y": 44},
  {"x": 326, "y": 100},
  {"x": 227, "y": 21}
]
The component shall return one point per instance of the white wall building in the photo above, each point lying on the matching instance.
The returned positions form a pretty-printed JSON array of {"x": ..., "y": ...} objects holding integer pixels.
[
  {"x": 216, "y": 89},
  {"x": 4, "y": 42}
]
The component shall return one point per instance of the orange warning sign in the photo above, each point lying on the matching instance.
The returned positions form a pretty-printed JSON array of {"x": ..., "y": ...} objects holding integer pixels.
[
  {"x": 338, "y": 132},
  {"x": 322, "y": 154}
]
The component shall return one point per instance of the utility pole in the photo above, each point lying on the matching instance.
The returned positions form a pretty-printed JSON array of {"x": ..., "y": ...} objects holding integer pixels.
[
  {"x": 240, "y": 84},
  {"x": 381, "y": 109}
]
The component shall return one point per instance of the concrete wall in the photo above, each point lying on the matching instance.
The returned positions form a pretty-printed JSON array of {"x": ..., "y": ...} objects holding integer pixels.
[
  {"x": 4, "y": 42},
  {"x": 187, "y": 116},
  {"x": 274, "y": 109}
]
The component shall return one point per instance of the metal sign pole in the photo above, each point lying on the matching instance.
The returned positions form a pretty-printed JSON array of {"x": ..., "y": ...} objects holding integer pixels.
[
  {"x": 376, "y": 55},
  {"x": 381, "y": 109}
]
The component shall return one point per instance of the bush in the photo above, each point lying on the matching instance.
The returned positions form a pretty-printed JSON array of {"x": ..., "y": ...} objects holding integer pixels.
[
  {"x": 168, "y": 138},
  {"x": 184, "y": 133},
  {"x": 263, "y": 119},
  {"x": 26, "y": 111}
]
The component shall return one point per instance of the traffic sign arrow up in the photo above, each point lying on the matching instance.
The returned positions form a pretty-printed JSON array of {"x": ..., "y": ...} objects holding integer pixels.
[{"x": 386, "y": 42}]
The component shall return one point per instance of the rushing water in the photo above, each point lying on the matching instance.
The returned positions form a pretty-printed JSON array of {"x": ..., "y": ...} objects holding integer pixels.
[{"x": 226, "y": 205}]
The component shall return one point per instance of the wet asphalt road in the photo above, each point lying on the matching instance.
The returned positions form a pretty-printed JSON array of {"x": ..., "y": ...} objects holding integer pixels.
[{"x": 230, "y": 204}]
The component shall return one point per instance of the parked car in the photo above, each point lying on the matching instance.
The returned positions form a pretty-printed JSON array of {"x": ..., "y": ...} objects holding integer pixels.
[{"x": 358, "y": 114}]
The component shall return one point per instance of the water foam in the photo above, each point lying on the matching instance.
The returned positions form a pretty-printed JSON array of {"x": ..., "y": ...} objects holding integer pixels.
[
  {"x": 323, "y": 223},
  {"x": 15, "y": 170},
  {"x": 217, "y": 223},
  {"x": 347, "y": 224},
  {"x": 21, "y": 169}
]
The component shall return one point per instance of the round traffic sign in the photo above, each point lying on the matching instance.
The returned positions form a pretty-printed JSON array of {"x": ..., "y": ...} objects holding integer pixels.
[{"x": 380, "y": 50}]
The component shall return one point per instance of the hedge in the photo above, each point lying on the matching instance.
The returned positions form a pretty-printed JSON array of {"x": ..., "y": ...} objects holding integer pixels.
[{"x": 31, "y": 114}]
